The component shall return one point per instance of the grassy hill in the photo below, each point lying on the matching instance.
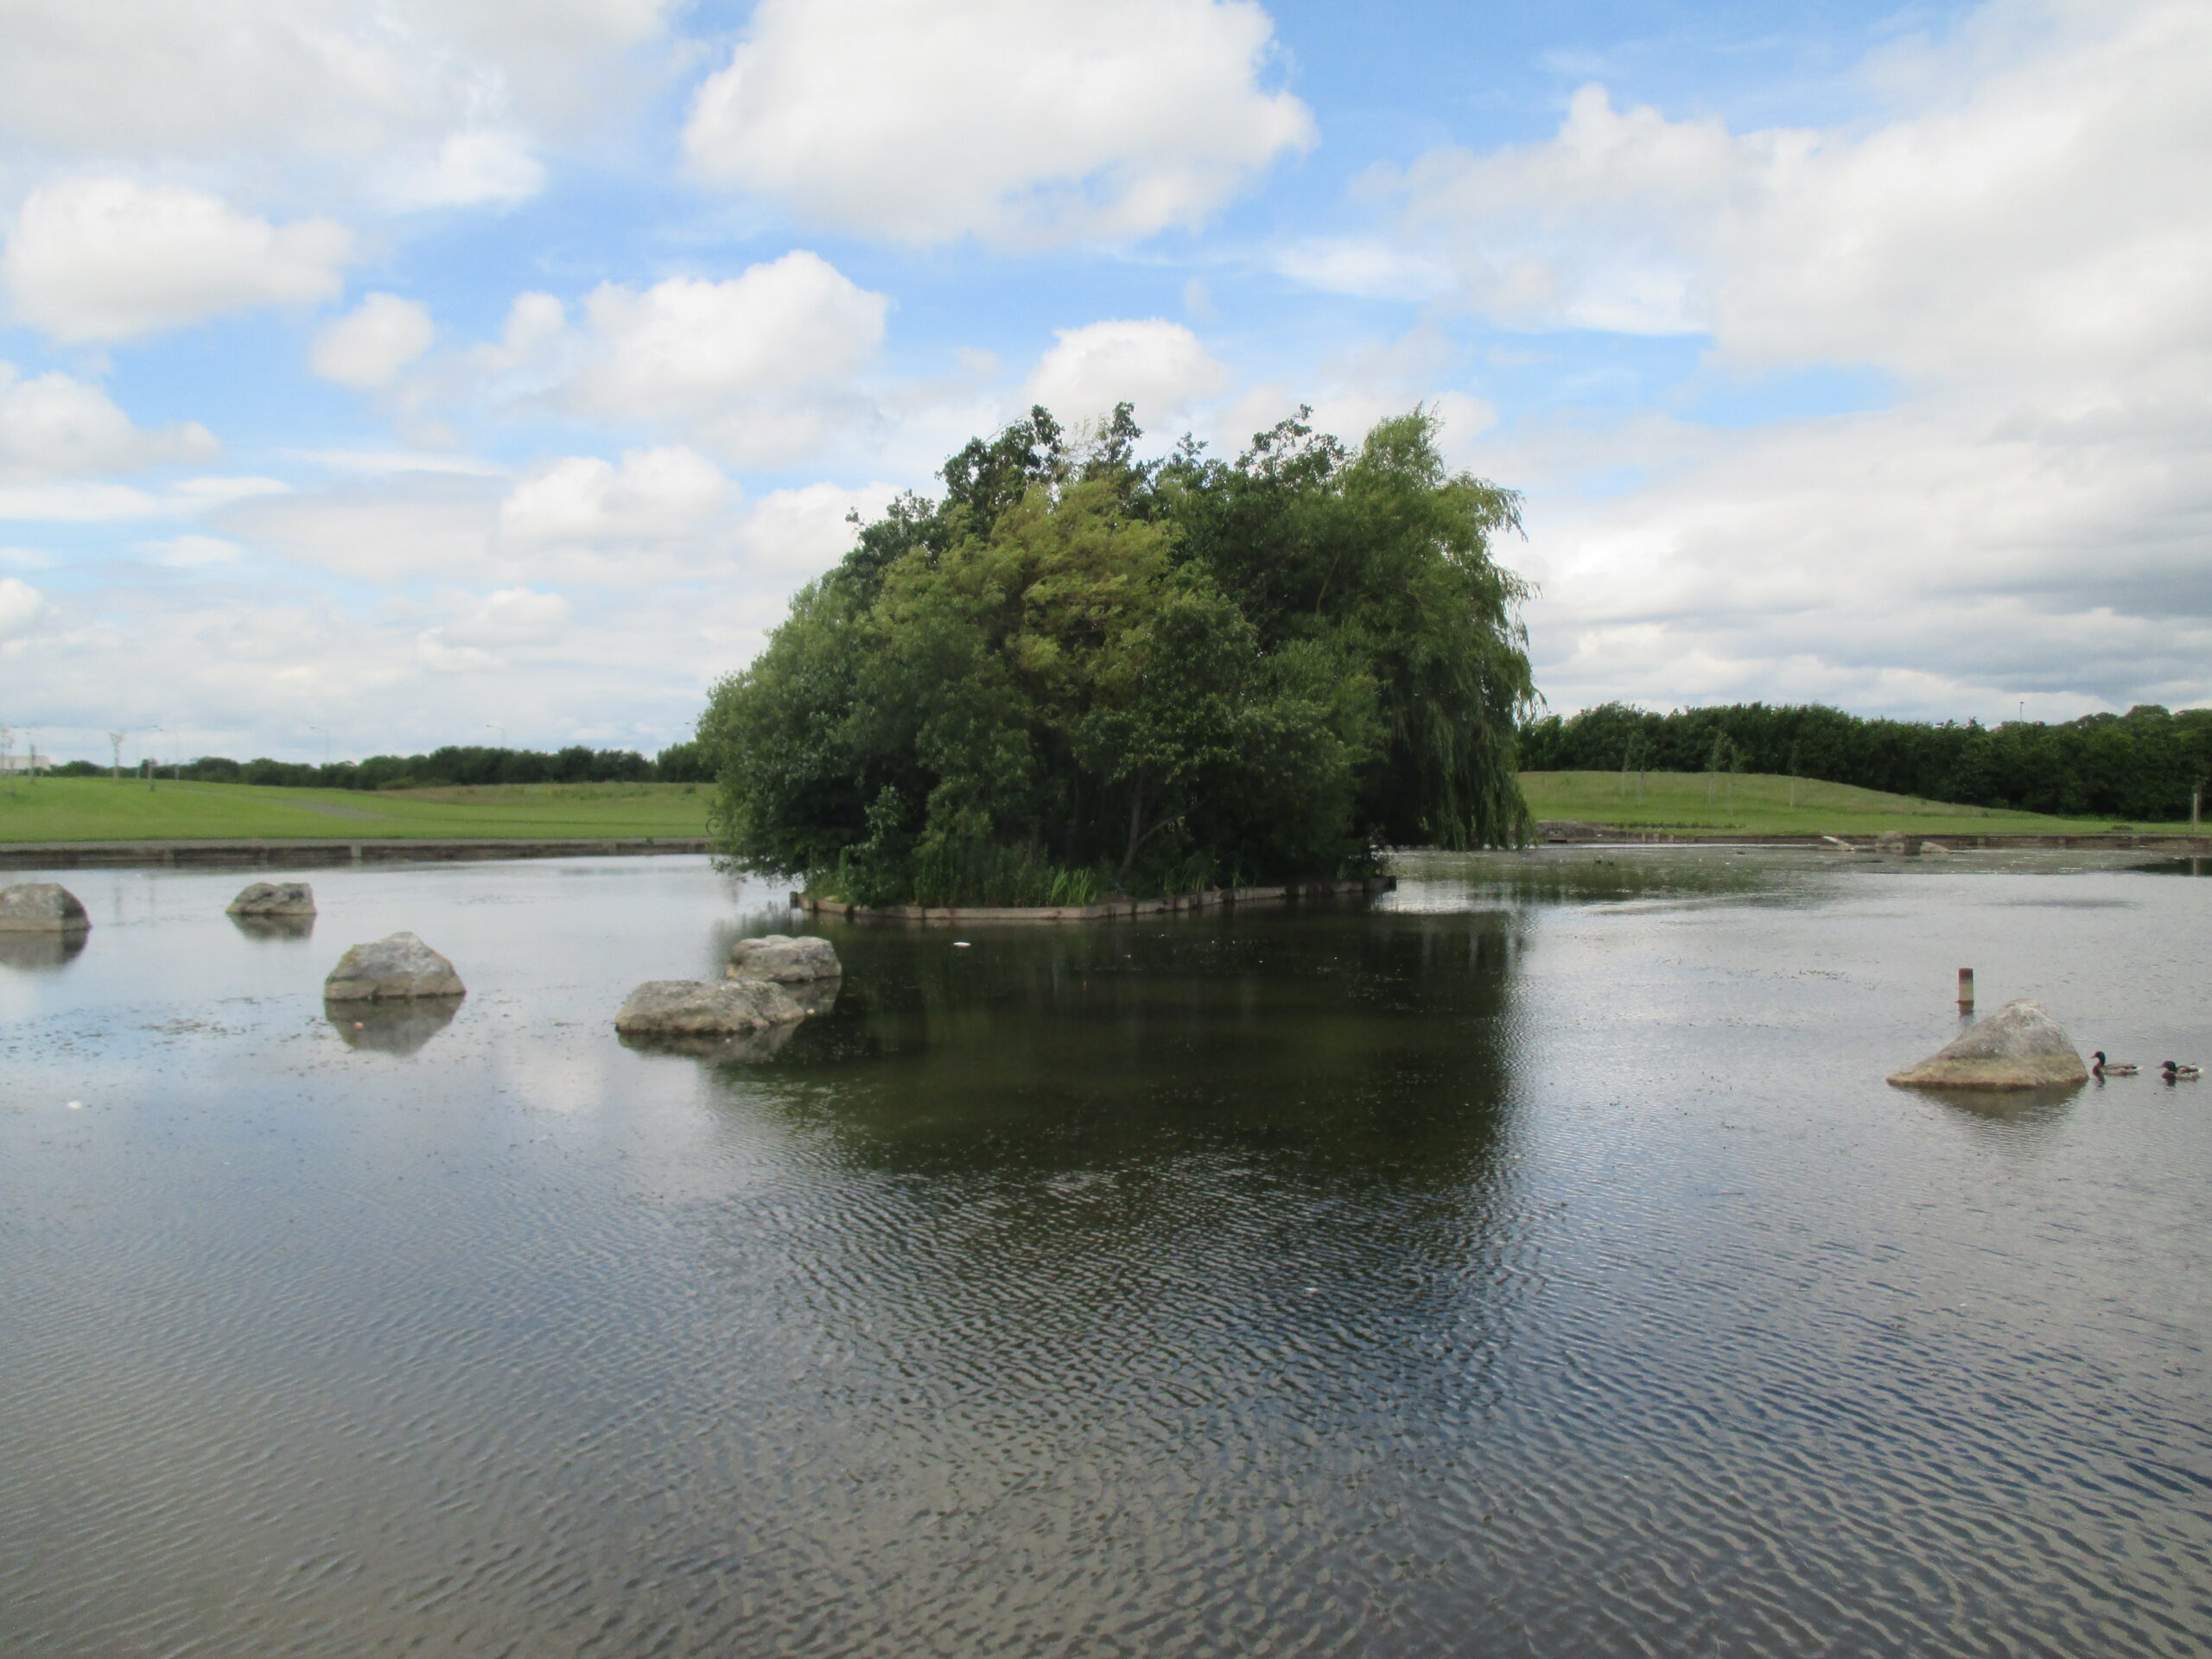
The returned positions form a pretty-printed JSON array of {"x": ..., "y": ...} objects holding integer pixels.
[
  {"x": 1762, "y": 803},
  {"x": 100, "y": 809}
]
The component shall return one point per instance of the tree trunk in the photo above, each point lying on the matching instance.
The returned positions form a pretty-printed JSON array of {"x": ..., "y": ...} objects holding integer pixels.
[{"x": 1136, "y": 821}]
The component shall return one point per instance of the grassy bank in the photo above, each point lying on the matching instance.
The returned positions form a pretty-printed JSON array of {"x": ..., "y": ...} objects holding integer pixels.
[
  {"x": 100, "y": 809},
  {"x": 1760, "y": 803}
]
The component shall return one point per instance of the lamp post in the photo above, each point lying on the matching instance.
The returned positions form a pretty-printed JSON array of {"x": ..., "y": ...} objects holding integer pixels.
[{"x": 153, "y": 762}]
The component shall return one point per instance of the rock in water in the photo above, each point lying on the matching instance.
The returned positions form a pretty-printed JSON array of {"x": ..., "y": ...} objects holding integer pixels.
[
  {"x": 2019, "y": 1046},
  {"x": 399, "y": 966},
  {"x": 785, "y": 959},
  {"x": 41, "y": 907},
  {"x": 701, "y": 1007},
  {"x": 274, "y": 898}
]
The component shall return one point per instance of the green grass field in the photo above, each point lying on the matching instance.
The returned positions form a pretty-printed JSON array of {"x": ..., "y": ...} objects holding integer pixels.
[
  {"x": 1760, "y": 803},
  {"x": 1766, "y": 803},
  {"x": 100, "y": 809}
]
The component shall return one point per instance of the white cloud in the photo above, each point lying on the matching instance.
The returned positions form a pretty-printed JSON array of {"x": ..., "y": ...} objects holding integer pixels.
[
  {"x": 794, "y": 535},
  {"x": 106, "y": 258},
  {"x": 192, "y": 552},
  {"x": 1368, "y": 267},
  {"x": 370, "y": 345},
  {"x": 92, "y": 502},
  {"x": 1159, "y": 366},
  {"x": 2020, "y": 241},
  {"x": 760, "y": 368},
  {"x": 388, "y": 528},
  {"x": 468, "y": 169},
  {"x": 655, "y": 499},
  {"x": 52, "y": 426},
  {"x": 429, "y": 101},
  {"x": 2044, "y": 207},
  {"x": 503, "y": 621},
  {"x": 921, "y": 121},
  {"x": 1935, "y": 559},
  {"x": 21, "y": 604}
]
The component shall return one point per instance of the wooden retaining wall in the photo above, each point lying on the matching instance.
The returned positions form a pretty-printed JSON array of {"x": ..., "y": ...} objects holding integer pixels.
[{"x": 838, "y": 910}]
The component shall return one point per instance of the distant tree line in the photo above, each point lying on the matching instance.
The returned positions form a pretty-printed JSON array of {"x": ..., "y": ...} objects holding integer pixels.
[
  {"x": 455, "y": 764},
  {"x": 2139, "y": 766}
]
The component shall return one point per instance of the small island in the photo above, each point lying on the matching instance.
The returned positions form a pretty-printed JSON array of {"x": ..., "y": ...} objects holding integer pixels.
[{"x": 1080, "y": 676}]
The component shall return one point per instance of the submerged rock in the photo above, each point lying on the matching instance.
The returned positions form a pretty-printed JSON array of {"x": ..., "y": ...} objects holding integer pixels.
[
  {"x": 274, "y": 898},
  {"x": 699, "y": 1008},
  {"x": 396, "y": 967},
  {"x": 786, "y": 959},
  {"x": 40, "y": 907},
  {"x": 2020, "y": 1047}
]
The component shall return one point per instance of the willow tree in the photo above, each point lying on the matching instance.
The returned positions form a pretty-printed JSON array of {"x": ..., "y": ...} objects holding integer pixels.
[{"x": 1077, "y": 672}]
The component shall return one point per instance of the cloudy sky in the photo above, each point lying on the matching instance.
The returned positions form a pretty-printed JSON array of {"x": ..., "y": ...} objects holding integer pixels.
[{"x": 380, "y": 374}]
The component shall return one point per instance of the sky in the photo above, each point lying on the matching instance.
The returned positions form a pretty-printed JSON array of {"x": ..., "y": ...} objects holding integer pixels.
[{"x": 377, "y": 376}]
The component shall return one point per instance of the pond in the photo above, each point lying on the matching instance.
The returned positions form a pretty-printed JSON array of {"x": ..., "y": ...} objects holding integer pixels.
[{"x": 1530, "y": 1261}]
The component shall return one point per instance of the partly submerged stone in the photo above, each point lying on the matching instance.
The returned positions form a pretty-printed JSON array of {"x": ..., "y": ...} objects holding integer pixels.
[
  {"x": 41, "y": 907},
  {"x": 274, "y": 898},
  {"x": 783, "y": 958},
  {"x": 2020, "y": 1047},
  {"x": 704, "y": 1008},
  {"x": 399, "y": 966}
]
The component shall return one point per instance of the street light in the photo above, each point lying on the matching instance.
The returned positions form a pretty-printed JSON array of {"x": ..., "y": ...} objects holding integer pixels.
[{"x": 153, "y": 764}]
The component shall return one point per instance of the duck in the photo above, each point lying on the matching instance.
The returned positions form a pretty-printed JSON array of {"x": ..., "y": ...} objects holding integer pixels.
[
  {"x": 2171, "y": 1071},
  {"x": 2105, "y": 1068}
]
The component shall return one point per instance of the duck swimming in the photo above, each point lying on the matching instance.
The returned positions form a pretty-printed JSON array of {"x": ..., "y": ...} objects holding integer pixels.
[
  {"x": 2170, "y": 1071},
  {"x": 2105, "y": 1068}
]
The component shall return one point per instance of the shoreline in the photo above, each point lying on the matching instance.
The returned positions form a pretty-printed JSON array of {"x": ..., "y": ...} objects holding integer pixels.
[
  {"x": 1207, "y": 899},
  {"x": 1570, "y": 834},
  {"x": 352, "y": 850}
]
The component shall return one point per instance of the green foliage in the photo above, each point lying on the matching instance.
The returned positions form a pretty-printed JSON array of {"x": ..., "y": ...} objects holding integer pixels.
[
  {"x": 2139, "y": 768},
  {"x": 1077, "y": 673}
]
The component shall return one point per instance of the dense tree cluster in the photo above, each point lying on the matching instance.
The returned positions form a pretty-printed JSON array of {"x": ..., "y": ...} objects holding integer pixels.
[
  {"x": 2139, "y": 766},
  {"x": 1078, "y": 671},
  {"x": 440, "y": 768}
]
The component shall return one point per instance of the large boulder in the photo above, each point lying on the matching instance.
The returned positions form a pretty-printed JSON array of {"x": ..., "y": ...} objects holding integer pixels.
[
  {"x": 274, "y": 898},
  {"x": 2020, "y": 1047},
  {"x": 785, "y": 959},
  {"x": 706, "y": 1007},
  {"x": 40, "y": 907},
  {"x": 396, "y": 967}
]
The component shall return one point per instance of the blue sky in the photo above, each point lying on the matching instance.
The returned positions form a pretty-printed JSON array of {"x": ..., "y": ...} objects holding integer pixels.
[{"x": 408, "y": 372}]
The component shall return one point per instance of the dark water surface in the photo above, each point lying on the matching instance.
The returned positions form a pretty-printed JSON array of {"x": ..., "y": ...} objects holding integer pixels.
[{"x": 1533, "y": 1264}]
